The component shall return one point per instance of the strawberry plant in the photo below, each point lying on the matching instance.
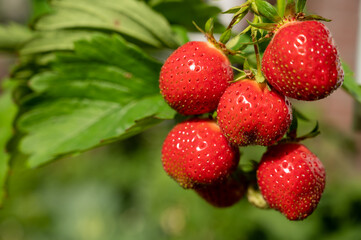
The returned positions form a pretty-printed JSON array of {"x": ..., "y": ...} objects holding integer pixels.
[{"x": 91, "y": 72}]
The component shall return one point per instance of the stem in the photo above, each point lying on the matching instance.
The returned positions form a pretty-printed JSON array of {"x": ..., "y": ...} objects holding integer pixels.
[
  {"x": 259, "y": 75},
  {"x": 256, "y": 51}
]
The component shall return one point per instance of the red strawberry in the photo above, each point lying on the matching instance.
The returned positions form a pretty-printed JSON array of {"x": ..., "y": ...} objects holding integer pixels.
[
  {"x": 195, "y": 152},
  {"x": 302, "y": 61},
  {"x": 194, "y": 77},
  {"x": 249, "y": 113},
  {"x": 291, "y": 179},
  {"x": 225, "y": 193}
]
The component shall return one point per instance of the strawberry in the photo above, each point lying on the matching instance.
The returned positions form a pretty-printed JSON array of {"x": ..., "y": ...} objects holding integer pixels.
[
  {"x": 249, "y": 113},
  {"x": 194, "y": 77},
  {"x": 195, "y": 152},
  {"x": 225, "y": 193},
  {"x": 291, "y": 179},
  {"x": 302, "y": 62}
]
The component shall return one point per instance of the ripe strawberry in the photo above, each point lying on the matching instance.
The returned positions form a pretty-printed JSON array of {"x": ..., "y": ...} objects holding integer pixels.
[
  {"x": 302, "y": 61},
  {"x": 194, "y": 77},
  {"x": 225, "y": 193},
  {"x": 249, "y": 113},
  {"x": 291, "y": 179},
  {"x": 195, "y": 152}
]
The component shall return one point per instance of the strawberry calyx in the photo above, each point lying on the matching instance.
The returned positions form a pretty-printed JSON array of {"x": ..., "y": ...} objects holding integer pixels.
[
  {"x": 278, "y": 18},
  {"x": 208, "y": 33},
  {"x": 254, "y": 197}
]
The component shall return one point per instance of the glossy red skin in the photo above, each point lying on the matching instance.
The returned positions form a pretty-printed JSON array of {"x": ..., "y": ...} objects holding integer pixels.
[
  {"x": 194, "y": 77},
  {"x": 225, "y": 193},
  {"x": 250, "y": 114},
  {"x": 196, "y": 152},
  {"x": 302, "y": 61},
  {"x": 291, "y": 179}
]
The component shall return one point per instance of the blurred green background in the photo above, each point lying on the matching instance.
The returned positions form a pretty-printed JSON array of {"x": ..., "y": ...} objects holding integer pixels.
[{"x": 121, "y": 192}]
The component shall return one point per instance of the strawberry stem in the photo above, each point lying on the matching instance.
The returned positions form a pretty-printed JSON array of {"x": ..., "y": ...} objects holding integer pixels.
[{"x": 259, "y": 75}]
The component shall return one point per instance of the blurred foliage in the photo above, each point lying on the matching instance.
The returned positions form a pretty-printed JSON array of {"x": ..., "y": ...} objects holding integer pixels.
[
  {"x": 13, "y": 36},
  {"x": 7, "y": 113},
  {"x": 121, "y": 192}
]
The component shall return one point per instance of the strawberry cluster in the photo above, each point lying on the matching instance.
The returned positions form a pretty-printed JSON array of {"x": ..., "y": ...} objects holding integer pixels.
[{"x": 202, "y": 153}]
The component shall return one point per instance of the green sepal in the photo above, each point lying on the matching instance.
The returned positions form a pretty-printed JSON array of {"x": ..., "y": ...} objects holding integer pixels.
[
  {"x": 300, "y": 6},
  {"x": 254, "y": 8},
  {"x": 290, "y": 9},
  {"x": 224, "y": 38},
  {"x": 236, "y": 43},
  {"x": 238, "y": 9},
  {"x": 261, "y": 40},
  {"x": 264, "y": 26},
  {"x": 293, "y": 137},
  {"x": 246, "y": 30},
  {"x": 300, "y": 115},
  {"x": 281, "y": 7},
  {"x": 209, "y": 26},
  {"x": 314, "y": 132},
  {"x": 246, "y": 65},
  {"x": 350, "y": 84},
  {"x": 238, "y": 17},
  {"x": 317, "y": 18},
  {"x": 232, "y": 10},
  {"x": 267, "y": 10},
  {"x": 260, "y": 78},
  {"x": 292, "y": 131}
]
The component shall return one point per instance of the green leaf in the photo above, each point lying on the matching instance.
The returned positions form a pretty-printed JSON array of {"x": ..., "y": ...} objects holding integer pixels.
[
  {"x": 350, "y": 84},
  {"x": 267, "y": 10},
  {"x": 128, "y": 17},
  {"x": 300, "y": 5},
  {"x": 13, "y": 36},
  {"x": 60, "y": 40},
  {"x": 105, "y": 91},
  {"x": 7, "y": 115}
]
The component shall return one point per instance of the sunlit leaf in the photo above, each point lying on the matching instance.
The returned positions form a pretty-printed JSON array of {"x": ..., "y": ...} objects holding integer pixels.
[
  {"x": 107, "y": 90},
  {"x": 127, "y": 17}
]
